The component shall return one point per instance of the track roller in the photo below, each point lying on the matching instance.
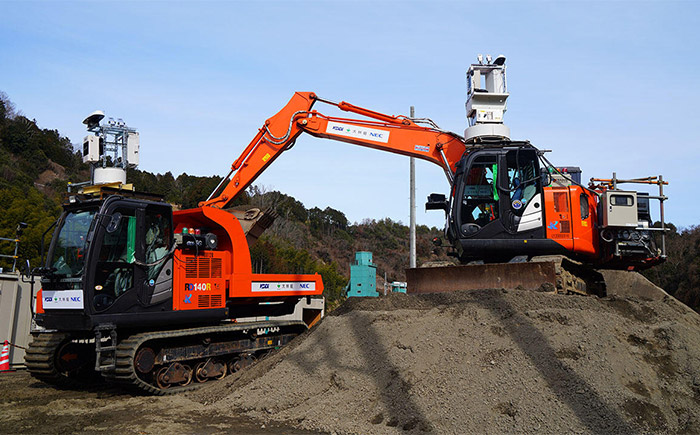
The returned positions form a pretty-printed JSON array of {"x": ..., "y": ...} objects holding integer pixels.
[
  {"x": 174, "y": 374},
  {"x": 210, "y": 369},
  {"x": 241, "y": 361}
]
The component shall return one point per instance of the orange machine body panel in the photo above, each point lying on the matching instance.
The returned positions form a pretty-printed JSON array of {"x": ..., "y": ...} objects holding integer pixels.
[
  {"x": 199, "y": 281},
  {"x": 211, "y": 278},
  {"x": 571, "y": 219}
]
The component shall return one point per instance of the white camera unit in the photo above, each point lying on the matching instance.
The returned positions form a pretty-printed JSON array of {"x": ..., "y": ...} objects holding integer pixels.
[
  {"x": 91, "y": 149},
  {"x": 132, "y": 150}
]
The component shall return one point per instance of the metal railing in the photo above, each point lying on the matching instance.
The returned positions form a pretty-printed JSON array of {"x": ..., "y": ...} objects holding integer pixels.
[{"x": 20, "y": 227}]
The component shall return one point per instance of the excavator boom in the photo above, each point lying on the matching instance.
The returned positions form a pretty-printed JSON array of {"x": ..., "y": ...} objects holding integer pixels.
[{"x": 396, "y": 134}]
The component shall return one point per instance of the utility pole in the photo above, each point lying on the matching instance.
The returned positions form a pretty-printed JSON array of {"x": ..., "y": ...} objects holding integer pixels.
[{"x": 412, "y": 225}]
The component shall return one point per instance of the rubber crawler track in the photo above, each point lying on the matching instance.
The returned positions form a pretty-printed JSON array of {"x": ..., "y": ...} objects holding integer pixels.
[
  {"x": 40, "y": 358},
  {"x": 125, "y": 373}
]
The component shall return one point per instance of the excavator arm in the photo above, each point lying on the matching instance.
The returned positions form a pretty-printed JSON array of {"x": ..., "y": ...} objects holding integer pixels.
[{"x": 396, "y": 134}]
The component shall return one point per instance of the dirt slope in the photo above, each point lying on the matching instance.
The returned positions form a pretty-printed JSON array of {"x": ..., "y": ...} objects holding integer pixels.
[{"x": 489, "y": 361}]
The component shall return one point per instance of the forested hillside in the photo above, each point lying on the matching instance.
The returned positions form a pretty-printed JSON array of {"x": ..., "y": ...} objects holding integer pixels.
[{"x": 36, "y": 164}]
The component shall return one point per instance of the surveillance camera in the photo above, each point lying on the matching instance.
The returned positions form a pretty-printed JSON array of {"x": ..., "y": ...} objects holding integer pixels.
[
  {"x": 93, "y": 120},
  {"x": 500, "y": 60}
]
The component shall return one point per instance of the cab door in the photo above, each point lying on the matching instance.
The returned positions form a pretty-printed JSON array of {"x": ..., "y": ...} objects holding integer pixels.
[
  {"x": 476, "y": 203},
  {"x": 520, "y": 189},
  {"x": 113, "y": 258},
  {"x": 130, "y": 258}
]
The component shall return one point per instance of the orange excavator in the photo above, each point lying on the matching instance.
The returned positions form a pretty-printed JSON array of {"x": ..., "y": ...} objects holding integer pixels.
[
  {"x": 505, "y": 199},
  {"x": 156, "y": 299},
  {"x": 507, "y": 203}
]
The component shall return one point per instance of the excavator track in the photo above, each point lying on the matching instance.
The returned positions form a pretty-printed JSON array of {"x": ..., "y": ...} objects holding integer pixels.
[
  {"x": 53, "y": 358},
  {"x": 574, "y": 277},
  {"x": 188, "y": 352}
]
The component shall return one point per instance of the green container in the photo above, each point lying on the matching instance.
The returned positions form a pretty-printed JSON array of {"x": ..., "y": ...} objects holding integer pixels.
[{"x": 363, "y": 276}]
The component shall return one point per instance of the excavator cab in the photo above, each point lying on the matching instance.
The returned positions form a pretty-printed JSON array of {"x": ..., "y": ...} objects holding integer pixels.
[
  {"x": 94, "y": 254},
  {"x": 496, "y": 204}
]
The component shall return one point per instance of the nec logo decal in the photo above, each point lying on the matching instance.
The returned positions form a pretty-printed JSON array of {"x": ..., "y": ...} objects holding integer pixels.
[
  {"x": 62, "y": 299},
  {"x": 283, "y": 286},
  {"x": 358, "y": 132}
]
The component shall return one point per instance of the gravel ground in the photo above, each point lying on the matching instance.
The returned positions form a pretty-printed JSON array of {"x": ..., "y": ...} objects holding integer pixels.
[
  {"x": 490, "y": 361},
  {"x": 31, "y": 407}
]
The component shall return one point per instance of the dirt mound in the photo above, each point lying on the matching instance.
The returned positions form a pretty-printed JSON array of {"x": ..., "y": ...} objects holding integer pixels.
[
  {"x": 632, "y": 284},
  {"x": 488, "y": 361}
]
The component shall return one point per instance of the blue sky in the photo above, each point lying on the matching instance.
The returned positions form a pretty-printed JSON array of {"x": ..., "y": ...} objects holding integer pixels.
[{"x": 608, "y": 86}]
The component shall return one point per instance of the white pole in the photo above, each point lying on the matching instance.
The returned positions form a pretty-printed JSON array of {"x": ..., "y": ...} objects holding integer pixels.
[{"x": 412, "y": 226}]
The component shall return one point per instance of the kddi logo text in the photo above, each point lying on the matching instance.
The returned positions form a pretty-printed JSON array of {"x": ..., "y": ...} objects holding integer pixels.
[{"x": 200, "y": 286}]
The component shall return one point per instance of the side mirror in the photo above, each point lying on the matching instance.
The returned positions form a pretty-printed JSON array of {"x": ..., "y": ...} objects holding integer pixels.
[
  {"x": 26, "y": 270},
  {"x": 114, "y": 222},
  {"x": 43, "y": 240},
  {"x": 545, "y": 178},
  {"x": 437, "y": 201}
]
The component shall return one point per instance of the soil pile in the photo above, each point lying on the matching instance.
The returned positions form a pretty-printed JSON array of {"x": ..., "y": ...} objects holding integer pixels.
[{"x": 488, "y": 361}]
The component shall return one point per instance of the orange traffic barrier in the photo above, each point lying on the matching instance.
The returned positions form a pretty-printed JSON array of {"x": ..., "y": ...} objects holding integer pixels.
[{"x": 5, "y": 357}]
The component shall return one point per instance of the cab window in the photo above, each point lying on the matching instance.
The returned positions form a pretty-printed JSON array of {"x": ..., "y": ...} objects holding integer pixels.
[
  {"x": 115, "y": 266},
  {"x": 522, "y": 178},
  {"x": 158, "y": 239},
  {"x": 480, "y": 197},
  {"x": 585, "y": 209}
]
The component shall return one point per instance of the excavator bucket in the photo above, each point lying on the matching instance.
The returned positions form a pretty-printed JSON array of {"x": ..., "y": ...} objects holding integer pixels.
[{"x": 254, "y": 221}]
